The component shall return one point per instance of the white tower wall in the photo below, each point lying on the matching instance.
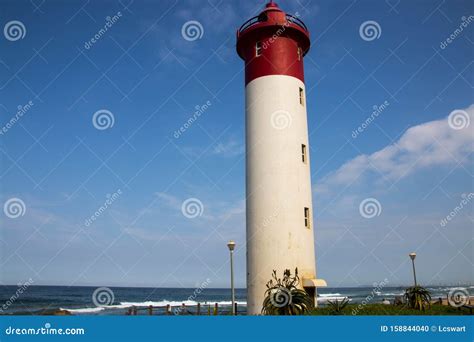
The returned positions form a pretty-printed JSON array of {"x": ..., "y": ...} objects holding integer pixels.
[{"x": 278, "y": 184}]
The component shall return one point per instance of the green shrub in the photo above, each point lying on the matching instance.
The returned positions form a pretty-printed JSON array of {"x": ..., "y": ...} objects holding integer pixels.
[
  {"x": 283, "y": 297},
  {"x": 417, "y": 297},
  {"x": 336, "y": 307}
]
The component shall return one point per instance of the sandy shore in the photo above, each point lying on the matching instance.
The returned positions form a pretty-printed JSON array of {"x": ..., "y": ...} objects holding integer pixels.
[{"x": 444, "y": 301}]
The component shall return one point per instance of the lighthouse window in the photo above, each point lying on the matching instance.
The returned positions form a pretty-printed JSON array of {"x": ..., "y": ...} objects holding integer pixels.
[
  {"x": 299, "y": 53},
  {"x": 301, "y": 97},
  {"x": 303, "y": 153},
  {"x": 307, "y": 222},
  {"x": 258, "y": 49}
]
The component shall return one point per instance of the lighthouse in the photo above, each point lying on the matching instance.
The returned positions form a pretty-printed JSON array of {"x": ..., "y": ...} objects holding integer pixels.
[{"x": 279, "y": 211}]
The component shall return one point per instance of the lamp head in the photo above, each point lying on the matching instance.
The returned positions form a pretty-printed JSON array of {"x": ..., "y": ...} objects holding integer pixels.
[
  {"x": 231, "y": 245},
  {"x": 412, "y": 256}
]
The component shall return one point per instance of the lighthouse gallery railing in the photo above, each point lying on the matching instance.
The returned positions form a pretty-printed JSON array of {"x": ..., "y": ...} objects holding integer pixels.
[{"x": 255, "y": 20}]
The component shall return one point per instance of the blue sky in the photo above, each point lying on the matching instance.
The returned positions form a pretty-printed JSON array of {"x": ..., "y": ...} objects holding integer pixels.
[{"x": 142, "y": 70}]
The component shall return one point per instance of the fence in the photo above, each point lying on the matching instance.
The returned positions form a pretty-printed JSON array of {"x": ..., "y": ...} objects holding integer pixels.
[{"x": 198, "y": 310}]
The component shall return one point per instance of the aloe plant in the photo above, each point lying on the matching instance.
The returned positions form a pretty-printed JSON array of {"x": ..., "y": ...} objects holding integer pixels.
[
  {"x": 337, "y": 306},
  {"x": 418, "y": 297},
  {"x": 283, "y": 297}
]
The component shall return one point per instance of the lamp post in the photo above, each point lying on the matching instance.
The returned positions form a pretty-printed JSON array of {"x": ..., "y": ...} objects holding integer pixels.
[
  {"x": 231, "y": 245},
  {"x": 412, "y": 257}
]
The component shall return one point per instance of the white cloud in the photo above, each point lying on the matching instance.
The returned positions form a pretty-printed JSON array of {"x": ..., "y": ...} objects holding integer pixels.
[
  {"x": 216, "y": 211},
  {"x": 230, "y": 148},
  {"x": 170, "y": 200},
  {"x": 434, "y": 143}
]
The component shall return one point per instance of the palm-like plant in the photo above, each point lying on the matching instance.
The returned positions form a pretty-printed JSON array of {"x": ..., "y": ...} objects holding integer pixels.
[
  {"x": 418, "y": 297},
  {"x": 337, "y": 306},
  {"x": 283, "y": 297}
]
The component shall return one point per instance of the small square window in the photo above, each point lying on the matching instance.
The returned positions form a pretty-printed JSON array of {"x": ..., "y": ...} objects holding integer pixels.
[
  {"x": 303, "y": 153},
  {"x": 307, "y": 222},
  {"x": 258, "y": 49},
  {"x": 301, "y": 94}
]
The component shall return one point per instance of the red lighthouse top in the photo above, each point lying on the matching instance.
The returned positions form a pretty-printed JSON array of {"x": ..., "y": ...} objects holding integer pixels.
[{"x": 273, "y": 43}]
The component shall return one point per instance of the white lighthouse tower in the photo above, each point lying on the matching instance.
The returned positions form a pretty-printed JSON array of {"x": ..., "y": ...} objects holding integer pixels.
[{"x": 280, "y": 227}]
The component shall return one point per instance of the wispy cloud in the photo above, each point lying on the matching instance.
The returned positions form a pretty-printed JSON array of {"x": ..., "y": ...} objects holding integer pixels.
[
  {"x": 434, "y": 143},
  {"x": 230, "y": 148},
  {"x": 168, "y": 199}
]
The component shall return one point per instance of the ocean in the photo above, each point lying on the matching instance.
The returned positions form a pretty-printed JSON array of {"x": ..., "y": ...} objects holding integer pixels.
[{"x": 79, "y": 300}]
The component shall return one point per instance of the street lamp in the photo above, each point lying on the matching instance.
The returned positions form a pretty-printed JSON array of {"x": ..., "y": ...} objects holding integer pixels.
[
  {"x": 412, "y": 257},
  {"x": 231, "y": 245}
]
